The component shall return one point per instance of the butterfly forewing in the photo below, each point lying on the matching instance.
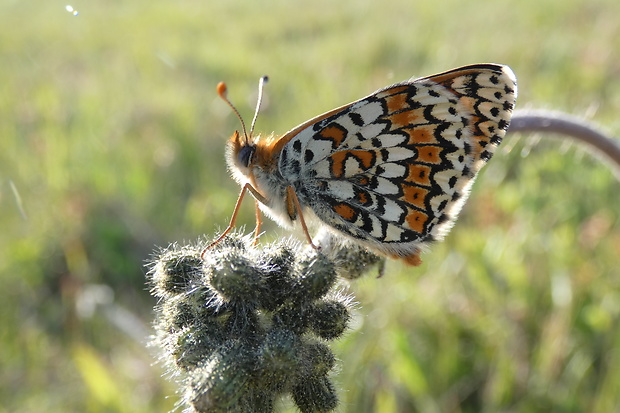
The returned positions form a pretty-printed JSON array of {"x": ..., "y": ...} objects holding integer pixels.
[{"x": 393, "y": 169}]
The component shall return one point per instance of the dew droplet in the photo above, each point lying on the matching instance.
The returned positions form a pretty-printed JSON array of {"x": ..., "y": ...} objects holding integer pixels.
[{"x": 71, "y": 10}]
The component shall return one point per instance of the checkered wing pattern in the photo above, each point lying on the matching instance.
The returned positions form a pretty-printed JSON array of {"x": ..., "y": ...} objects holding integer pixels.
[{"x": 393, "y": 170}]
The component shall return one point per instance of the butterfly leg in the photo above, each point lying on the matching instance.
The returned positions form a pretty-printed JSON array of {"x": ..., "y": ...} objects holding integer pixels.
[
  {"x": 259, "y": 222},
  {"x": 294, "y": 208},
  {"x": 233, "y": 219}
]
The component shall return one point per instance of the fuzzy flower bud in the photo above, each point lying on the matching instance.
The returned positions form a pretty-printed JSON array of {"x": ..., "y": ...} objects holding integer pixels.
[{"x": 246, "y": 325}]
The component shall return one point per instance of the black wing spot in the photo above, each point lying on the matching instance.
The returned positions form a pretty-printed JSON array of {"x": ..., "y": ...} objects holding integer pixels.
[
  {"x": 442, "y": 218},
  {"x": 385, "y": 154},
  {"x": 297, "y": 146},
  {"x": 380, "y": 205},
  {"x": 485, "y": 155},
  {"x": 439, "y": 131},
  {"x": 295, "y": 166},
  {"x": 356, "y": 118},
  {"x": 367, "y": 227}
]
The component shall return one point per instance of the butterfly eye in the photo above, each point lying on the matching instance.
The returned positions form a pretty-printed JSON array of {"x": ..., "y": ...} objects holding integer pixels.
[{"x": 245, "y": 155}]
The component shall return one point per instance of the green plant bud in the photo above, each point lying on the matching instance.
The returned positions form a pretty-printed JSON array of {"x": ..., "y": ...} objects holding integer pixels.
[
  {"x": 233, "y": 242},
  {"x": 291, "y": 316},
  {"x": 315, "y": 394},
  {"x": 260, "y": 402},
  {"x": 176, "y": 314},
  {"x": 278, "y": 259},
  {"x": 353, "y": 261},
  {"x": 207, "y": 303},
  {"x": 315, "y": 275},
  {"x": 320, "y": 358},
  {"x": 276, "y": 281},
  {"x": 235, "y": 278},
  {"x": 193, "y": 346},
  {"x": 329, "y": 319},
  {"x": 221, "y": 383},
  {"x": 278, "y": 357},
  {"x": 175, "y": 272},
  {"x": 235, "y": 333},
  {"x": 202, "y": 306},
  {"x": 243, "y": 323}
]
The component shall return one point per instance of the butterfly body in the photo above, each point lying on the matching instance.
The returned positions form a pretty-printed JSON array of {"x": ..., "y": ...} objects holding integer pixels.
[{"x": 390, "y": 171}]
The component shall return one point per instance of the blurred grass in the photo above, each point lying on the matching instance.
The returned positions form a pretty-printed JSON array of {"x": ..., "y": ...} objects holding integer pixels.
[{"x": 113, "y": 140}]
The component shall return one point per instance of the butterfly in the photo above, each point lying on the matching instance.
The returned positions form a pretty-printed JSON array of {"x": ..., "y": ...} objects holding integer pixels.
[{"x": 390, "y": 171}]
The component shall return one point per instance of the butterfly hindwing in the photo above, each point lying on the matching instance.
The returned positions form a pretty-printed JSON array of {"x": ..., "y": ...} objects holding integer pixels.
[{"x": 395, "y": 168}]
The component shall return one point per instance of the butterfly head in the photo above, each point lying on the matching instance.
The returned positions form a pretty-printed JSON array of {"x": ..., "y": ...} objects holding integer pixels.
[
  {"x": 241, "y": 152},
  {"x": 242, "y": 147}
]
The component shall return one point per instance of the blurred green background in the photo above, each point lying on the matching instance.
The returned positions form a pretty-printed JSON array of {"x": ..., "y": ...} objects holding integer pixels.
[{"x": 112, "y": 143}]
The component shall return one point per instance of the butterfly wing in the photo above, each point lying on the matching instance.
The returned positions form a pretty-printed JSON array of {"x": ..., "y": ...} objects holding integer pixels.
[{"x": 393, "y": 170}]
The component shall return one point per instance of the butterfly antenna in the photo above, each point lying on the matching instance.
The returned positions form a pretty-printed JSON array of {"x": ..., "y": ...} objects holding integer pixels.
[
  {"x": 261, "y": 86},
  {"x": 221, "y": 91}
]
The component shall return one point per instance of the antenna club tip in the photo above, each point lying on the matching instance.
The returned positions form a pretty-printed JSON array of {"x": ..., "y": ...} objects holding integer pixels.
[
  {"x": 264, "y": 79},
  {"x": 221, "y": 89}
]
